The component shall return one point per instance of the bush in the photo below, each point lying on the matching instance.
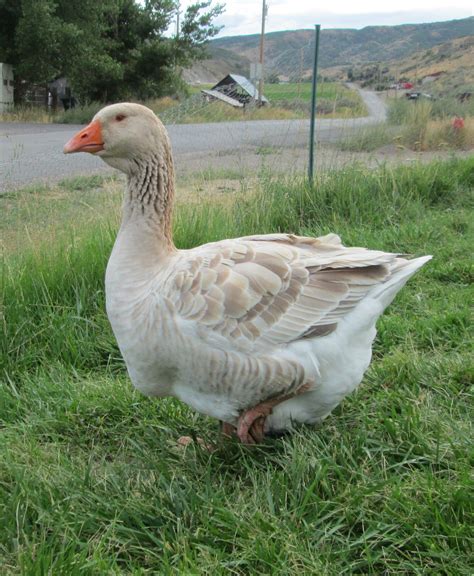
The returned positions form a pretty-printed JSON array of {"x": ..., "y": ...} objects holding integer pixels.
[{"x": 80, "y": 114}]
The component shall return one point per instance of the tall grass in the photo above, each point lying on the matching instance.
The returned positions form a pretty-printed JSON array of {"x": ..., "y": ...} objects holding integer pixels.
[
  {"x": 27, "y": 113},
  {"x": 53, "y": 299},
  {"x": 369, "y": 139},
  {"x": 401, "y": 109},
  {"x": 80, "y": 114},
  {"x": 415, "y": 125},
  {"x": 83, "y": 114},
  {"x": 91, "y": 481},
  {"x": 196, "y": 110}
]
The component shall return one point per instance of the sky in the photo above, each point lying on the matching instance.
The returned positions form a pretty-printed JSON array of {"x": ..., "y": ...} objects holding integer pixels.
[{"x": 244, "y": 16}]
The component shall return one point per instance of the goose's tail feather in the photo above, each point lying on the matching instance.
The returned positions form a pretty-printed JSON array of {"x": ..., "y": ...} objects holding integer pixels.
[{"x": 402, "y": 270}]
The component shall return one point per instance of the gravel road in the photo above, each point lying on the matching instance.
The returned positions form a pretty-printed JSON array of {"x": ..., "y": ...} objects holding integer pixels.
[{"x": 32, "y": 153}]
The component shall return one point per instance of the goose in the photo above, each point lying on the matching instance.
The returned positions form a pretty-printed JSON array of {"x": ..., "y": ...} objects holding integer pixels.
[{"x": 261, "y": 332}]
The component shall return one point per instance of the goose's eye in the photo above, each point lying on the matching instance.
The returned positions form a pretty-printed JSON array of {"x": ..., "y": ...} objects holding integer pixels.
[{"x": 120, "y": 117}]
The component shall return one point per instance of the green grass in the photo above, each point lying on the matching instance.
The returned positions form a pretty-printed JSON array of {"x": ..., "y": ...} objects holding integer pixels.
[
  {"x": 291, "y": 90},
  {"x": 288, "y": 101},
  {"x": 369, "y": 138},
  {"x": 91, "y": 480},
  {"x": 285, "y": 102},
  {"x": 303, "y": 90},
  {"x": 333, "y": 99}
]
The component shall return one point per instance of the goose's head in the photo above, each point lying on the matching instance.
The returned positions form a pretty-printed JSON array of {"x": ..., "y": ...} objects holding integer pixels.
[{"x": 124, "y": 135}]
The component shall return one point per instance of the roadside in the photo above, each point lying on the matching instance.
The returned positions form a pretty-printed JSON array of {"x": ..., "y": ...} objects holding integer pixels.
[
  {"x": 33, "y": 152},
  {"x": 376, "y": 106}
]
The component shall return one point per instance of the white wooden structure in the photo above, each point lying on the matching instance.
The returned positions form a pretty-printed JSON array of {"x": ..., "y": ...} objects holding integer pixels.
[{"x": 6, "y": 87}]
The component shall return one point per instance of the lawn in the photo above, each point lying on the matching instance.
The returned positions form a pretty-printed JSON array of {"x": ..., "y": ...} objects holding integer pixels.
[
  {"x": 303, "y": 91},
  {"x": 91, "y": 479},
  {"x": 290, "y": 90},
  {"x": 286, "y": 101}
]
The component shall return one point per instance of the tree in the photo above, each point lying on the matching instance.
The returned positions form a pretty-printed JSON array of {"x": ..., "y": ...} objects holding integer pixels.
[
  {"x": 39, "y": 37},
  {"x": 109, "y": 50},
  {"x": 272, "y": 78}
]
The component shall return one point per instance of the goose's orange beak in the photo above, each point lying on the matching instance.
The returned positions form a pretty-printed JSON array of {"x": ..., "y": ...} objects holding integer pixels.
[{"x": 89, "y": 139}]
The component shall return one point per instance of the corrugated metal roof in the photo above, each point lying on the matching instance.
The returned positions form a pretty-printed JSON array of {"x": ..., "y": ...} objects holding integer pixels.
[
  {"x": 223, "y": 97},
  {"x": 243, "y": 82}
]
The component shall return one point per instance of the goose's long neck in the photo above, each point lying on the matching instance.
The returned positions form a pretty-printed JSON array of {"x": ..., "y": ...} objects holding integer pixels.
[{"x": 148, "y": 203}]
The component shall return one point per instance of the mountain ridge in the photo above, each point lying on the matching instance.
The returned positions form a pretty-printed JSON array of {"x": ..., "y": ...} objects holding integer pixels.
[{"x": 290, "y": 52}]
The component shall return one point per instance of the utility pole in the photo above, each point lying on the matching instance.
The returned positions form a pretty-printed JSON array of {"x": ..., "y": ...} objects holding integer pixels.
[{"x": 262, "y": 39}]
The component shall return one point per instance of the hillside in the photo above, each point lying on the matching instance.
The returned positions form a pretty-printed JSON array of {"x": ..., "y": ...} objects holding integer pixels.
[
  {"x": 445, "y": 69},
  {"x": 213, "y": 69},
  {"x": 451, "y": 63},
  {"x": 290, "y": 52}
]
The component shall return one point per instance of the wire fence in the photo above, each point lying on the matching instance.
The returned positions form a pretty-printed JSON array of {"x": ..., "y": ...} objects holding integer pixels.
[
  {"x": 273, "y": 131},
  {"x": 227, "y": 128},
  {"x": 230, "y": 132},
  {"x": 222, "y": 129}
]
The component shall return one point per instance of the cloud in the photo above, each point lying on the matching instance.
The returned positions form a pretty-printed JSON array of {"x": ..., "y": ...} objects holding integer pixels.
[
  {"x": 244, "y": 16},
  {"x": 281, "y": 17}
]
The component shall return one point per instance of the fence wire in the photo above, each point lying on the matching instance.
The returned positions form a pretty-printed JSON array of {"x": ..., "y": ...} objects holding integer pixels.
[{"x": 210, "y": 134}]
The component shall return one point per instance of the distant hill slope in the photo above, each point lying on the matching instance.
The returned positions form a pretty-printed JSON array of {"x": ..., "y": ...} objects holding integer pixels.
[
  {"x": 450, "y": 66},
  {"x": 219, "y": 65},
  {"x": 291, "y": 51},
  {"x": 444, "y": 69}
]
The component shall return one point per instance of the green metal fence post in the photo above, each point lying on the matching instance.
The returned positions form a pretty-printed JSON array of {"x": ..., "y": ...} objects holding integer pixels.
[{"x": 313, "y": 105}]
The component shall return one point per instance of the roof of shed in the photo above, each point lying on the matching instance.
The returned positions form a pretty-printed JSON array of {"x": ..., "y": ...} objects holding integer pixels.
[
  {"x": 224, "y": 97},
  {"x": 243, "y": 82}
]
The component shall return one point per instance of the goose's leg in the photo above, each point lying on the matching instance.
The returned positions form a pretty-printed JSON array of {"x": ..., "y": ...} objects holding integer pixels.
[{"x": 251, "y": 423}]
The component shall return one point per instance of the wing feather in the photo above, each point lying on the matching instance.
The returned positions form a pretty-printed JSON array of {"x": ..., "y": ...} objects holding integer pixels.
[{"x": 274, "y": 289}]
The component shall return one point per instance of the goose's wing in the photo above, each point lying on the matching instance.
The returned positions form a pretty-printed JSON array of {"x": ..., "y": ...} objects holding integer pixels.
[{"x": 269, "y": 290}]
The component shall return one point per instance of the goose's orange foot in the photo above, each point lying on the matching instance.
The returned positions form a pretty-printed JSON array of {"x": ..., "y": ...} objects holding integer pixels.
[{"x": 251, "y": 423}]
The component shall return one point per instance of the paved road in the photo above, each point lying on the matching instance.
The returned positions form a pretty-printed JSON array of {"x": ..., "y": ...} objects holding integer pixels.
[{"x": 33, "y": 152}]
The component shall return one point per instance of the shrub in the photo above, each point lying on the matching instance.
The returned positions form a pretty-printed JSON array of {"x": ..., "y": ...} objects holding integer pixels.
[{"x": 80, "y": 114}]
